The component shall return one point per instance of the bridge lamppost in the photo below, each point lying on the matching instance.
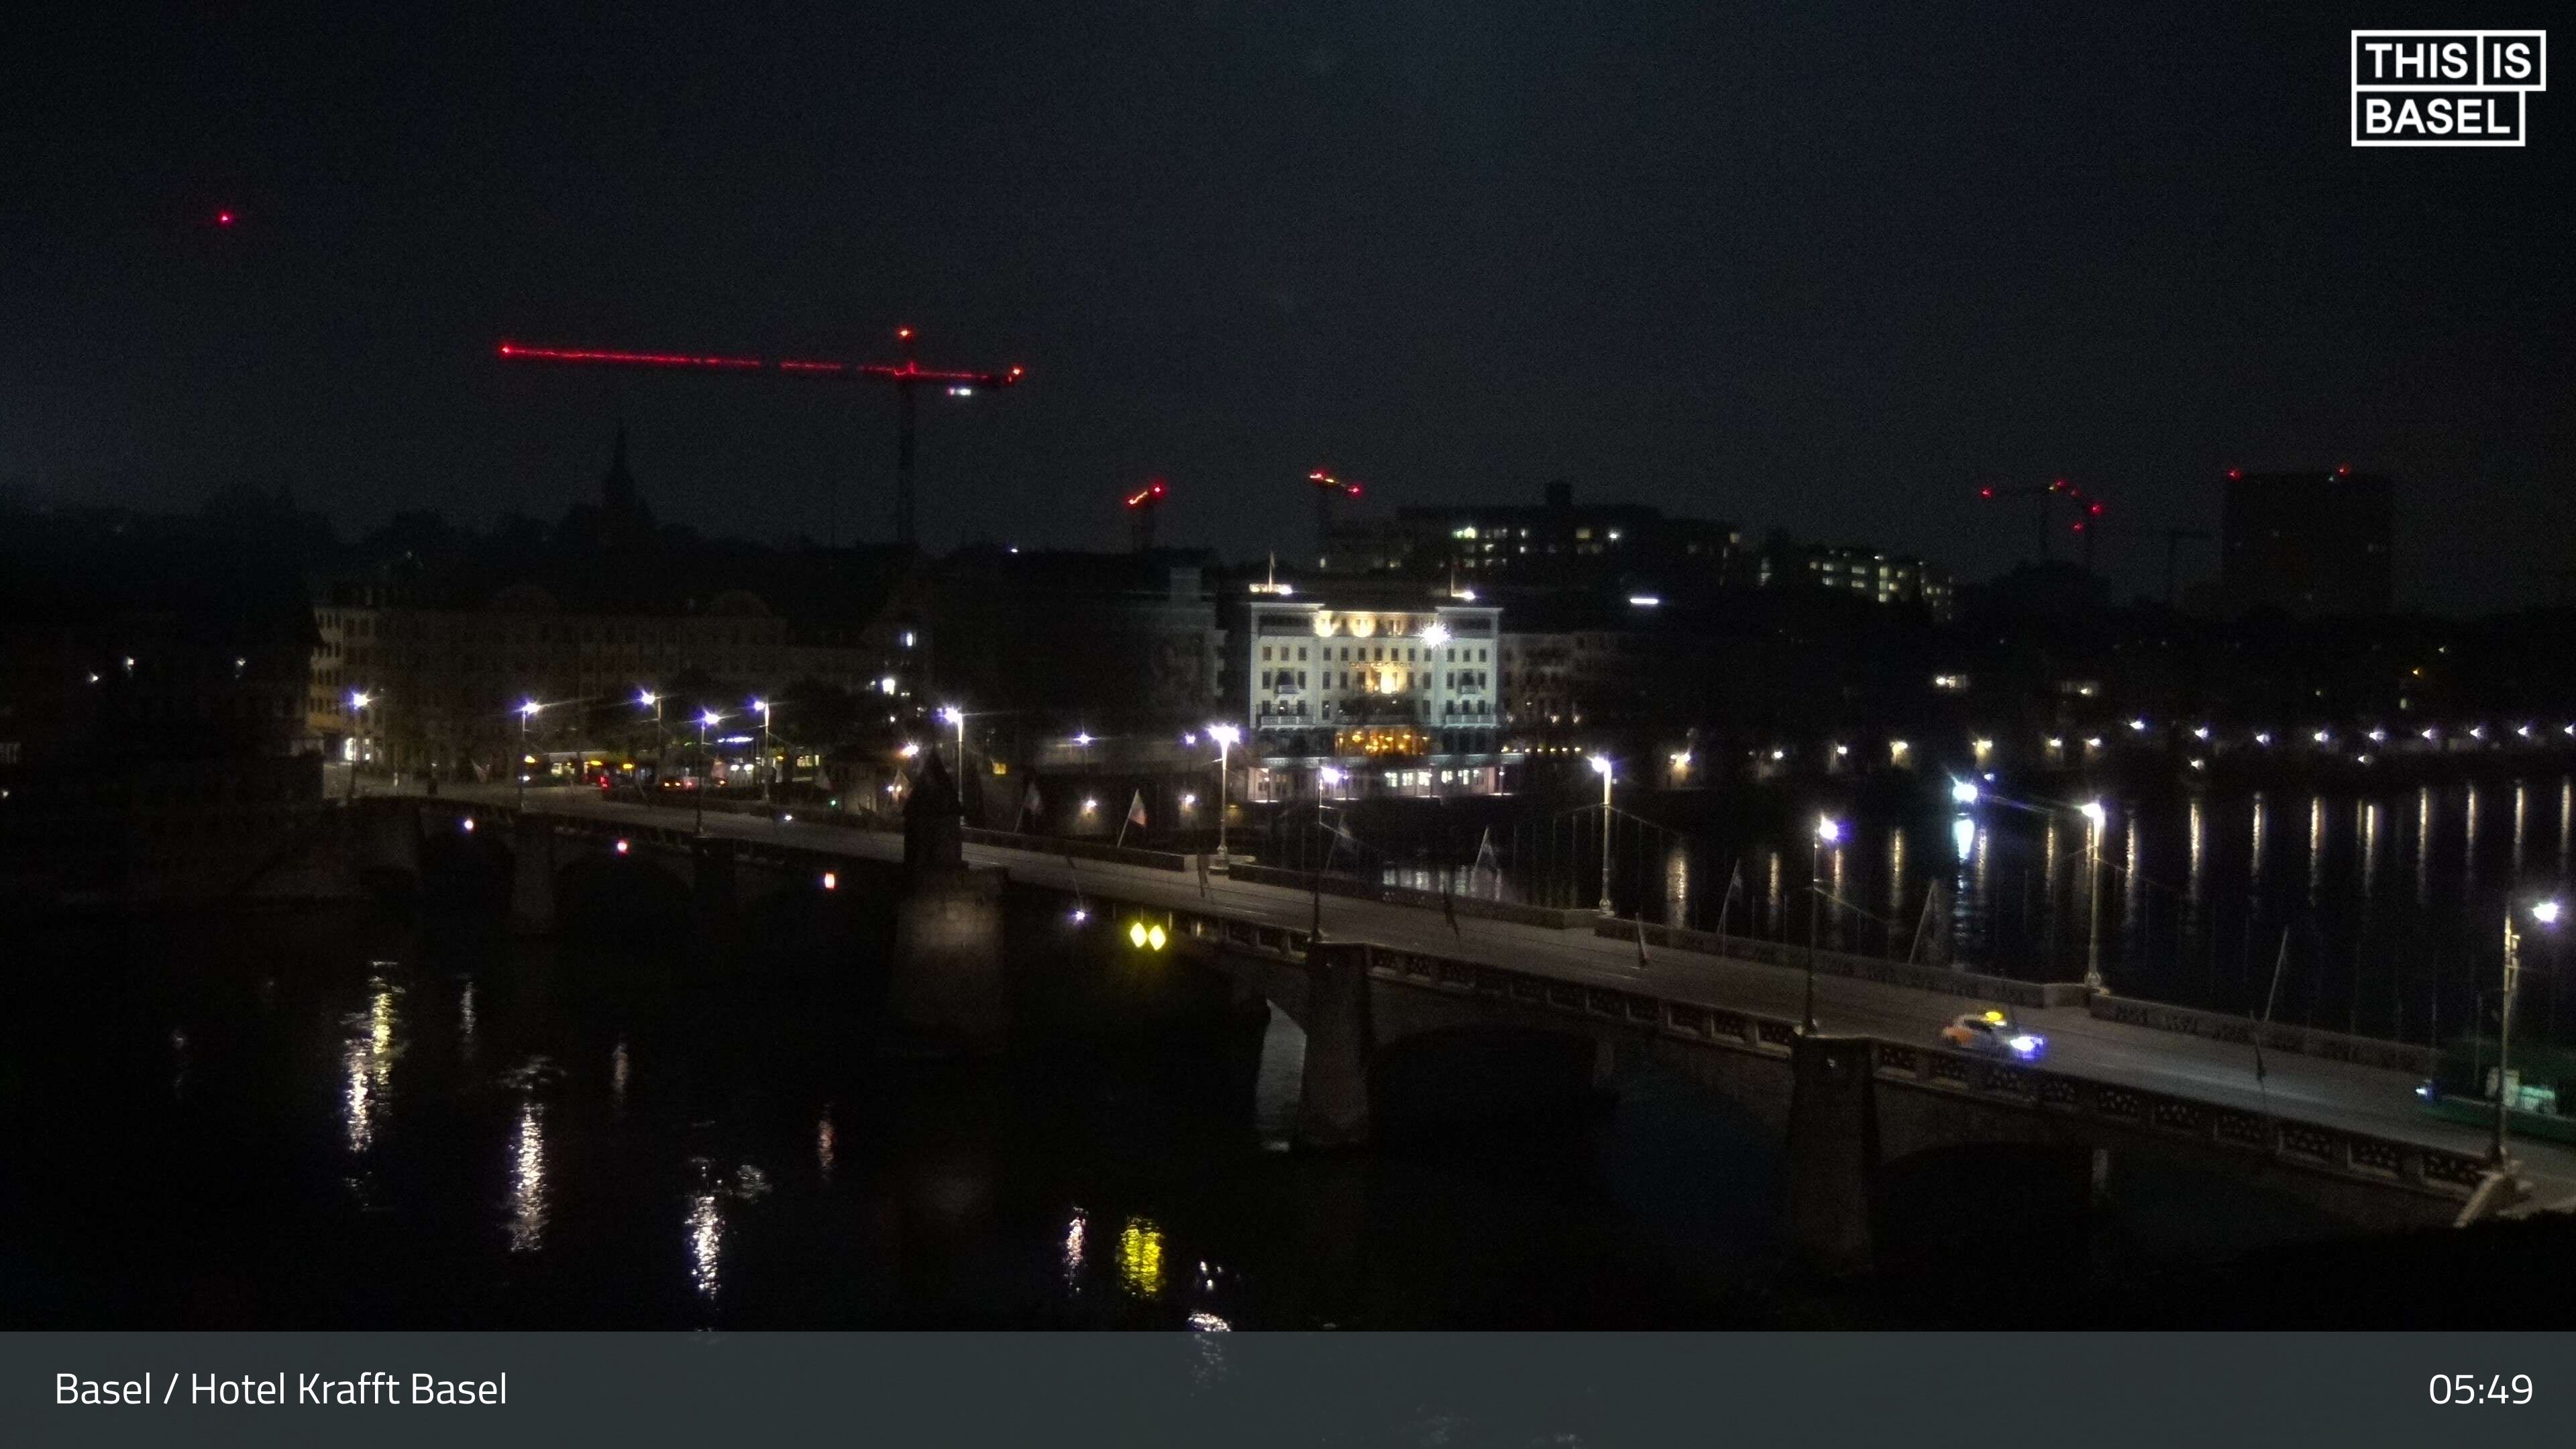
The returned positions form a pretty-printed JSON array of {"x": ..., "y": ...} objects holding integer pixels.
[
  {"x": 1829, "y": 831},
  {"x": 2094, "y": 815},
  {"x": 2546, "y": 913},
  {"x": 359, "y": 699},
  {"x": 527, "y": 711},
  {"x": 1225, "y": 735},
  {"x": 653, "y": 702},
  {"x": 1603, "y": 766},
  {"x": 763, "y": 706},
  {"x": 706, "y": 722}
]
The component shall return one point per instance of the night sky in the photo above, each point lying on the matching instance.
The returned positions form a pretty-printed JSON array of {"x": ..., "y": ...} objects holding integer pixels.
[{"x": 1816, "y": 266}]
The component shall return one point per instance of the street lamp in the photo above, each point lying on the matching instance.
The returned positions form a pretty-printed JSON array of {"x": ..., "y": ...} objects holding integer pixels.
[
  {"x": 1829, "y": 831},
  {"x": 763, "y": 706},
  {"x": 653, "y": 702},
  {"x": 358, "y": 700},
  {"x": 2093, "y": 818},
  {"x": 1964, "y": 791},
  {"x": 1225, "y": 735},
  {"x": 527, "y": 711},
  {"x": 706, "y": 722},
  {"x": 2546, "y": 913},
  {"x": 1603, "y": 766},
  {"x": 957, "y": 717}
]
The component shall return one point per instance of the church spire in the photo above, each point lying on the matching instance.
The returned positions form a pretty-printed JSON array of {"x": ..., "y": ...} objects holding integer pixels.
[{"x": 617, "y": 490}]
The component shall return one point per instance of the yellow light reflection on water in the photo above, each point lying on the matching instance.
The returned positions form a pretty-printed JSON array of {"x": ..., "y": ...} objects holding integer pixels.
[
  {"x": 367, "y": 1064},
  {"x": 1140, "y": 1258}
]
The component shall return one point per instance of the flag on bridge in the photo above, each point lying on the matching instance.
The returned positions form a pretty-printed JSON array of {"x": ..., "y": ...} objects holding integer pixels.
[
  {"x": 1136, "y": 810},
  {"x": 1642, "y": 962},
  {"x": 1031, "y": 803},
  {"x": 1449, "y": 901}
]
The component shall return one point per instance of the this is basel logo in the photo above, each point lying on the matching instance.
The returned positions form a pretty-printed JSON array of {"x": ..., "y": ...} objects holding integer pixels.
[{"x": 2444, "y": 87}]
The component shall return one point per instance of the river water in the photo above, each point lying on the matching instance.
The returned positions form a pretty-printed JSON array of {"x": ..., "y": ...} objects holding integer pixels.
[
  {"x": 355, "y": 1118},
  {"x": 2390, "y": 904}
]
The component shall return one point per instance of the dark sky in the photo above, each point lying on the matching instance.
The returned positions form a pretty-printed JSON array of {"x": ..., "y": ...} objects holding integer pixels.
[{"x": 1811, "y": 266}]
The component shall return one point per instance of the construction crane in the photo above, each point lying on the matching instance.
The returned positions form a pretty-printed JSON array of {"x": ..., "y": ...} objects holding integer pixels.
[
  {"x": 2047, "y": 495},
  {"x": 906, "y": 377},
  {"x": 1142, "y": 505},
  {"x": 1327, "y": 488},
  {"x": 2175, "y": 538}
]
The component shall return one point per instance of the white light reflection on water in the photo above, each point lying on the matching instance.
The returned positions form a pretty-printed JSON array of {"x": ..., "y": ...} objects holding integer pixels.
[
  {"x": 825, "y": 1141},
  {"x": 706, "y": 1243},
  {"x": 708, "y": 1222},
  {"x": 465, "y": 1022},
  {"x": 528, "y": 1181},
  {"x": 620, "y": 1070},
  {"x": 1077, "y": 1231}
]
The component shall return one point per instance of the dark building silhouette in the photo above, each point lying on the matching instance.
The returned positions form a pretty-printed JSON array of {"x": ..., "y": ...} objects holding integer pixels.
[{"x": 2311, "y": 542}]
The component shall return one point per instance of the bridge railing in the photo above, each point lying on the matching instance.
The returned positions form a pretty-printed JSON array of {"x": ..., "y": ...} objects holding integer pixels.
[
  {"x": 1348, "y": 888},
  {"x": 1078, "y": 849},
  {"x": 2276, "y": 1036},
  {"x": 1915, "y": 977},
  {"x": 2309, "y": 1145}
]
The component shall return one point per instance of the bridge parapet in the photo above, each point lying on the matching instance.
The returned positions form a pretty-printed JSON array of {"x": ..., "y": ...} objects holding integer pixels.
[{"x": 2075, "y": 1101}]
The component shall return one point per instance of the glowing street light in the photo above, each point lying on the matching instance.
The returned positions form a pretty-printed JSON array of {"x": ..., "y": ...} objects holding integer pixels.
[
  {"x": 1225, "y": 736},
  {"x": 957, "y": 717},
  {"x": 763, "y": 706},
  {"x": 359, "y": 699},
  {"x": 1964, "y": 791},
  {"x": 706, "y": 722},
  {"x": 2545, "y": 913},
  {"x": 1602, "y": 766},
  {"x": 2094, "y": 816},
  {"x": 652, "y": 701},
  {"x": 1829, "y": 831},
  {"x": 527, "y": 711}
]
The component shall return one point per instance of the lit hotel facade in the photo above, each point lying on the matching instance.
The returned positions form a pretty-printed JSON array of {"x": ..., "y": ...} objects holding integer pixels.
[{"x": 1345, "y": 697}]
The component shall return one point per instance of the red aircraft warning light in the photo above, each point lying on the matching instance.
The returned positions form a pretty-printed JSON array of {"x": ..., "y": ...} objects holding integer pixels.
[
  {"x": 1327, "y": 488},
  {"x": 1143, "y": 504},
  {"x": 905, "y": 377}
]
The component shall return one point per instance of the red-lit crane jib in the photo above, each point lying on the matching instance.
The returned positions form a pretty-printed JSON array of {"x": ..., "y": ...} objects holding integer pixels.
[
  {"x": 1332, "y": 485},
  {"x": 907, "y": 371},
  {"x": 1146, "y": 497}
]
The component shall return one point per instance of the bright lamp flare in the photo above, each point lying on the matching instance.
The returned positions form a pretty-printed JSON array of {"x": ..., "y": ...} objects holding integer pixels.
[
  {"x": 2546, "y": 913},
  {"x": 1828, "y": 829}
]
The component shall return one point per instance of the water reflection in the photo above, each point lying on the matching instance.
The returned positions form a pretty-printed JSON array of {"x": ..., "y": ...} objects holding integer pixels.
[
  {"x": 618, "y": 1071},
  {"x": 1077, "y": 1230},
  {"x": 465, "y": 1021},
  {"x": 367, "y": 1066},
  {"x": 1140, "y": 1258},
  {"x": 824, "y": 1143},
  {"x": 706, "y": 1242},
  {"x": 528, "y": 1180},
  {"x": 1677, "y": 884}
]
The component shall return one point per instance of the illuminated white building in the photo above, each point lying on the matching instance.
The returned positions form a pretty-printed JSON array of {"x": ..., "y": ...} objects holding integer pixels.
[{"x": 1362, "y": 697}]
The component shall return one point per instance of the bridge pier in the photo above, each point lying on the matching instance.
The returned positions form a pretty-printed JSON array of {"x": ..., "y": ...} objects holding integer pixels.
[
  {"x": 532, "y": 881},
  {"x": 946, "y": 990},
  {"x": 1333, "y": 1109},
  {"x": 1833, "y": 1152},
  {"x": 390, "y": 842},
  {"x": 711, "y": 870}
]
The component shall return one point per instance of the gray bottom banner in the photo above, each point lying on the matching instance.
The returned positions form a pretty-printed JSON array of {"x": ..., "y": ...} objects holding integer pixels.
[{"x": 502, "y": 1389}]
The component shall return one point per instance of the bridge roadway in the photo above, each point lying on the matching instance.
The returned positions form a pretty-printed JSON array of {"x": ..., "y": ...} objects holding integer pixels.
[{"x": 2337, "y": 1094}]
